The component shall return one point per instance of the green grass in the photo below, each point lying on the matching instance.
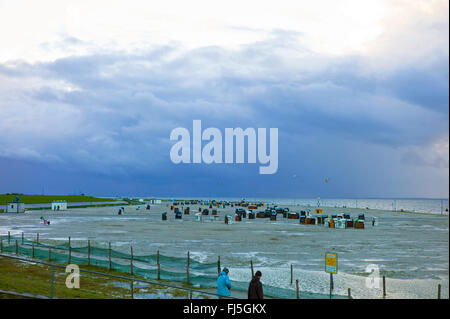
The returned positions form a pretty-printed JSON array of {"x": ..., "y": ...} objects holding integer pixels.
[
  {"x": 35, "y": 279},
  {"x": 42, "y": 199},
  {"x": 31, "y": 278}
]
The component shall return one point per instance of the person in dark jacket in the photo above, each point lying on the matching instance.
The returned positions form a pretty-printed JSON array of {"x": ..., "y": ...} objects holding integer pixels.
[{"x": 255, "y": 289}]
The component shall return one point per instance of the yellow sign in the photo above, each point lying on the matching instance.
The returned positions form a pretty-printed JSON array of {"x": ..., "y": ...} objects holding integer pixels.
[
  {"x": 319, "y": 210},
  {"x": 331, "y": 263}
]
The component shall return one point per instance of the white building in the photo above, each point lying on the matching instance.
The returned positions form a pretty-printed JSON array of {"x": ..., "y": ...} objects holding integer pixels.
[
  {"x": 59, "y": 205},
  {"x": 15, "y": 208},
  {"x": 155, "y": 201}
]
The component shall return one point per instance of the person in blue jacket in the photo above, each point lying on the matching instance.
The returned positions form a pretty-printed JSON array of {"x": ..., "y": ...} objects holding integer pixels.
[{"x": 223, "y": 284}]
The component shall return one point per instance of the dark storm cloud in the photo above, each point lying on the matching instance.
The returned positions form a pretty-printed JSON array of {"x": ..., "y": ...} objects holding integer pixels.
[{"x": 111, "y": 114}]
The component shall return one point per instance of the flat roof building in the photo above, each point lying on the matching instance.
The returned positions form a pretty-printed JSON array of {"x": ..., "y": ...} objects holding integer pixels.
[
  {"x": 15, "y": 208},
  {"x": 59, "y": 205}
]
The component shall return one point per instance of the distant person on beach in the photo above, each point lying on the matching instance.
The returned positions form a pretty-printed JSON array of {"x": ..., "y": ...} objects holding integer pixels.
[
  {"x": 255, "y": 289},
  {"x": 223, "y": 284}
]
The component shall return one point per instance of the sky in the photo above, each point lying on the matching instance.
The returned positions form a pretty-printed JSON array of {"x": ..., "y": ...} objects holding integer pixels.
[{"x": 359, "y": 92}]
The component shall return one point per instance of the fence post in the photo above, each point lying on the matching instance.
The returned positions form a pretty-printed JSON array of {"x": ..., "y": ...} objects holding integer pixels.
[
  {"x": 384, "y": 287},
  {"x": 9, "y": 238},
  {"x": 218, "y": 265},
  {"x": 298, "y": 291},
  {"x": 52, "y": 279},
  {"x": 131, "y": 265},
  {"x": 70, "y": 255},
  {"x": 32, "y": 250},
  {"x": 349, "y": 293},
  {"x": 159, "y": 266},
  {"x": 187, "y": 269},
  {"x": 109, "y": 249},
  {"x": 292, "y": 273},
  {"x": 439, "y": 291},
  {"x": 22, "y": 238},
  {"x": 37, "y": 238},
  {"x": 69, "y": 241},
  {"x": 251, "y": 266},
  {"x": 17, "y": 248},
  {"x": 89, "y": 252},
  {"x": 132, "y": 288}
]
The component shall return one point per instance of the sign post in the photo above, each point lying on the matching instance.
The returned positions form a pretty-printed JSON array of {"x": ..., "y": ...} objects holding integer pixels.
[{"x": 331, "y": 267}]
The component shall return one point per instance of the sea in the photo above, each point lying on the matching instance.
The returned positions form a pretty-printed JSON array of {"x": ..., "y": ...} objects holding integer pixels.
[{"x": 417, "y": 205}]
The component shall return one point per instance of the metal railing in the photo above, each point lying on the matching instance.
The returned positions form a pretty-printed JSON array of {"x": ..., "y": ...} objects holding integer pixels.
[{"x": 132, "y": 280}]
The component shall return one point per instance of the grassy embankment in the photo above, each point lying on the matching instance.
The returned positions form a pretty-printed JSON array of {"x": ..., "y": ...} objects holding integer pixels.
[
  {"x": 31, "y": 278},
  {"x": 43, "y": 199}
]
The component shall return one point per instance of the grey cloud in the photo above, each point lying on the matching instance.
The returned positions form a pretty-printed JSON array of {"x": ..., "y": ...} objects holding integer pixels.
[{"x": 127, "y": 104}]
